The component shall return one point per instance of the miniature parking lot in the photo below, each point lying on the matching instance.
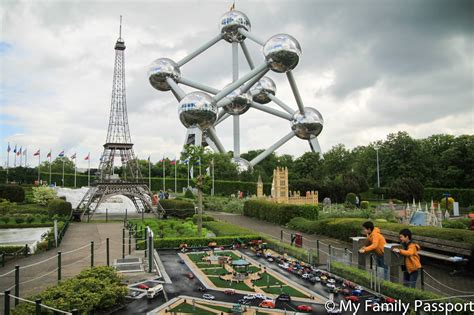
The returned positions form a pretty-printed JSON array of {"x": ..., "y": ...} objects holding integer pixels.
[{"x": 265, "y": 285}]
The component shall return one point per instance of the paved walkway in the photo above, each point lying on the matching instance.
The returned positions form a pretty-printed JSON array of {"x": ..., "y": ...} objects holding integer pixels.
[
  {"x": 36, "y": 274},
  {"x": 437, "y": 278}
]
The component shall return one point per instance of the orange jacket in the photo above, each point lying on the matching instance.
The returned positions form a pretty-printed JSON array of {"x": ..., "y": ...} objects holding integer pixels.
[
  {"x": 377, "y": 242},
  {"x": 412, "y": 258}
]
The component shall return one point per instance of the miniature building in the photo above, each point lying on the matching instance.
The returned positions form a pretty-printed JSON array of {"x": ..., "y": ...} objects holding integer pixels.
[{"x": 280, "y": 190}]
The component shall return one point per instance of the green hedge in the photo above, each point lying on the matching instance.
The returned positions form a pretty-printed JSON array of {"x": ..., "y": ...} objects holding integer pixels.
[
  {"x": 25, "y": 225},
  {"x": 296, "y": 252},
  {"x": 11, "y": 249},
  {"x": 343, "y": 229},
  {"x": 226, "y": 229},
  {"x": 13, "y": 193},
  {"x": 277, "y": 212},
  {"x": 59, "y": 207},
  {"x": 178, "y": 208},
  {"x": 199, "y": 241}
]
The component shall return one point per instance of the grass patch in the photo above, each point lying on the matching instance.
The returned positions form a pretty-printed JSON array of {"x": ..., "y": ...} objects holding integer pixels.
[
  {"x": 169, "y": 228},
  {"x": 217, "y": 307},
  {"x": 285, "y": 289},
  {"x": 227, "y": 253},
  {"x": 221, "y": 228},
  {"x": 227, "y": 284},
  {"x": 215, "y": 271},
  {"x": 197, "y": 258},
  {"x": 267, "y": 279},
  {"x": 253, "y": 269},
  {"x": 189, "y": 309}
]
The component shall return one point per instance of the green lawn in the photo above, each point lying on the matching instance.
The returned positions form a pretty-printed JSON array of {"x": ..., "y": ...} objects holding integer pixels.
[
  {"x": 227, "y": 253},
  {"x": 285, "y": 289},
  {"x": 217, "y": 307},
  {"x": 253, "y": 269},
  {"x": 197, "y": 258},
  {"x": 188, "y": 308},
  {"x": 267, "y": 279},
  {"x": 170, "y": 228},
  {"x": 226, "y": 284},
  {"x": 215, "y": 271}
]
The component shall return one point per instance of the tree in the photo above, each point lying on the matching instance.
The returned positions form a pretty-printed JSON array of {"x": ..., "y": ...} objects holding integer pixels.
[{"x": 337, "y": 161}]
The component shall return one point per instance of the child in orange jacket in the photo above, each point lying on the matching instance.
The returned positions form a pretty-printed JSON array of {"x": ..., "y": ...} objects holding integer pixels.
[
  {"x": 377, "y": 244},
  {"x": 412, "y": 258}
]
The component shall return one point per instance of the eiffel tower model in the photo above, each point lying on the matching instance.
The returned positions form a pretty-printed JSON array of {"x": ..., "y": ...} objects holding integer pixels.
[{"x": 118, "y": 145}]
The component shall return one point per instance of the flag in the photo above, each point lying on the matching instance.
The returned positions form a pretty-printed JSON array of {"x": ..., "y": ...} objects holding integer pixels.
[
  {"x": 61, "y": 154},
  {"x": 87, "y": 157},
  {"x": 162, "y": 160},
  {"x": 73, "y": 157},
  {"x": 191, "y": 172},
  {"x": 186, "y": 161},
  {"x": 49, "y": 154},
  {"x": 37, "y": 153},
  {"x": 19, "y": 152},
  {"x": 14, "y": 150},
  {"x": 197, "y": 163},
  {"x": 173, "y": 162},
  {"x": 8, "y": 148}
]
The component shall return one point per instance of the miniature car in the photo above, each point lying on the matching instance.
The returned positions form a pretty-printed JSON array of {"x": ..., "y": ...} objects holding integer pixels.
[
  {"x": 306, "y": 276},
  {"x": 270, "y": 259},
  {"x": 346, "y": 291},
  {"x": 352, "y": 298},
  {"x": 336, "y": 290},
  {"x": 314, "y": 279},
  {"x": 331, "y": 281},
  {"x": 324, "y": 277},
  {"x": 284, "y": 266},
  {"x": 181, "y": 261},
  {"x": 331, "y": 285},
  {"x": 260, "y": 296},
  {"x": 249, "y": 297},
  {"x": 390, "y": 300},
  {"x": 143, "y": 286},
  {"x": 190, "y": 275},
  {"x": 267, "y": 304},
  {"x": 357, "y": 292},
  {"x": 201, "y": 289},
  {"x": 304, "y": 308},
  {"x": 229, "y": 291},
  {"x": 284, "y": 297},
  {"x": 208, "y": 296}
]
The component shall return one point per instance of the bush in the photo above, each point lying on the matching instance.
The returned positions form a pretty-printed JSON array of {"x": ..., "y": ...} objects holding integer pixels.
[
  {"x": 450, "y": 204},
  {"x": 11, "y": 249},
  {"x": 351, "y": 199},
  {"x": 42, "y": 195},
  {"x": 205, "y": 218},
  {"x": 189, "y": 194},
  {"x": 59, "y": 207},
  {"x": 462, "y": 224},
  {"x": 92, "y": 291},
  {"x": 30, "y": 219},
  {"x": 13, "y": 193},
  {"x": 19, "y": 220},
  {"x": 277, "y": 212},
  {"x": 178, "y": 208},
  {"x": 364, "y": 205},
  {"x": 226, "y": 229},
  {"x": 5, "y": 219}
]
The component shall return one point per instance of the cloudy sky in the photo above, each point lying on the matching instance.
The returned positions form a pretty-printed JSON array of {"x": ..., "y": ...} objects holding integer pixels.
[{"x": 370, "y": 67}]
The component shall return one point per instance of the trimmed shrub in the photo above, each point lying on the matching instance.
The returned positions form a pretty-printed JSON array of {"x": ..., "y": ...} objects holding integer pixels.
[
  {"x": 277, "y": 212},
  {"x": 43, "y": 195},
  {"x": 450, "y": 204},
  {"x": 5, "y": 219},
  {"x": 364, "y": 205},
  {"x": 30, "y": 219},
  {"x": 189, "y": 194},
  {"x": 59, "y": 207},
  {"x": 351, "y": 199},
  {"x": 13, "y": 193},
  {"x": 205, "y": 218},
  {"x": 178, "y": 208},
  {"x": 296, "y": 252},
  {"x": 19, "y": 220},
  {"x": 11, "y": 249},
  {"x": 462, "y": 224}
]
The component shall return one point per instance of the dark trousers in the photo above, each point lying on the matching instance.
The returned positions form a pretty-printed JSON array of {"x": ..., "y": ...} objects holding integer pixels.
[{"x": 409, "y": 279}]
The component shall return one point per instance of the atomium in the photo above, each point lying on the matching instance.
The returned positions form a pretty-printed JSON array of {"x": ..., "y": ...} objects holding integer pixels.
[{"x": 204, "y": 108}]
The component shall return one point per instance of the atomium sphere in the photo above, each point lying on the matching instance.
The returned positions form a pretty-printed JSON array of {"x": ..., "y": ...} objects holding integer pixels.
[
  {"x": 308, "y": 124},
  {"x": 240, "y": 102},
  {"x": 282, "y": 52},
  {"x": 197, "y": 109},
  {"x": 261, "y": 90},
  {"x": 230, "y": 23},
  {"x": 242, "y": 164},
  {"x": 161, "y": 69}
]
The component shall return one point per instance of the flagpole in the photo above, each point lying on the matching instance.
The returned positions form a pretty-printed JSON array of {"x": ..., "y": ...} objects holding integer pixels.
[
  {"x": 175, "y": 178},
  {"x": 14, "y": 162},
  {"x": 8, "y": 159},
  {"x": 188, "y": 173},
  {"x": 149, "y": 173},
  {"x": 212, "y": 169},
  {"x": 164, "y": 175},
  {"x": 50, "y": 166},
  {"x": 63, "y": 172},
  {"x": 26, "y": 157},
  {"x": 89, "y": 170},
  {"x": 39, "y": 168},
  {"x": 21, "y": 156},
  {"x": 75, "y": 171}
]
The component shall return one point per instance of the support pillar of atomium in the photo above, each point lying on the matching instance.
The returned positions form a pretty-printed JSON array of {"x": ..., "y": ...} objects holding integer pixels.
[{"x": 202, "y": 110}]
